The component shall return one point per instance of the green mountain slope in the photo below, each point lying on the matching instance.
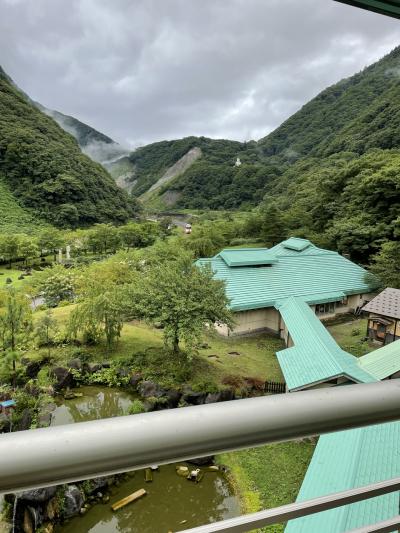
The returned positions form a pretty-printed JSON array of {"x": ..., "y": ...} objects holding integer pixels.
[
  {"x": 350, "y": 118},
  {"x": 356, "y": 114},
  {"x": 210, "y": 181},
  {"x": 46, "y": 171},
  {"x": 15, "y": 219}
]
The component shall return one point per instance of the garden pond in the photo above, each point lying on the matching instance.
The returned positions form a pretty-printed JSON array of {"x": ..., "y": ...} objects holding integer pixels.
[{"x": 172, "y": 503}]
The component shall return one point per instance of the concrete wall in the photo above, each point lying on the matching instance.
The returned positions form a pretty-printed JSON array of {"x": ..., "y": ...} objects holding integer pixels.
[{"x": 266, "y": 319}]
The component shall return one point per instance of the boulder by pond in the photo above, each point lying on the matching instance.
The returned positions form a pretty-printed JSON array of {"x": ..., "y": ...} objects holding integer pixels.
[
  {"x": 44, "y": 415},
  {"x": 64, "y": 378},
  {"x": 73, "y": 501},
  {"x": 193, "y": 398},
  {"x": 135, "y": 379},
  {"x": 75, "y": 363},
  {"x": 221, "y": 396},
  {"x": 149, "y": 389},
  {"x": 38, "y": 495}
]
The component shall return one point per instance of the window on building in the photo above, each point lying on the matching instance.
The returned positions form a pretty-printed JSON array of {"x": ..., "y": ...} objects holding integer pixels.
[{"x": 325, "y": 309}]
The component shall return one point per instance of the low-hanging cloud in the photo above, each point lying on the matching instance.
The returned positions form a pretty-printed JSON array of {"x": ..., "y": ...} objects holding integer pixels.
[{"x": 159, "y": 69}]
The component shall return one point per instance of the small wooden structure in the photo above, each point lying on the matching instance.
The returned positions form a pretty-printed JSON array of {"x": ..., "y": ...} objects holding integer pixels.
[{"x": 384, "y": 316}]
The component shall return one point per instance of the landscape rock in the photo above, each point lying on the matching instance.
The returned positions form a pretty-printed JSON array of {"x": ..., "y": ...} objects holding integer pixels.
[
  {"x": 44, "y": 416},
  {"x": 64, "y": 378},
  {"x": 32, "y": 369},
  {"x": 135, "y": 379},
  {"x": 172, "y": 398},
  {"x": 98, "y": 483},
  {"x": 149, "y": 389},
  {"x": 221, "y": 396},
  {"x": 76, "y": 364},
  {"x": 52, "y": 509},
  {"x": 25, "y": 420},
  {"x": 93, "y": 368},
  {"x": 194, "y": 398},
  {"x": 73, "y": 501},
  {"x": 38, "y": 495}
]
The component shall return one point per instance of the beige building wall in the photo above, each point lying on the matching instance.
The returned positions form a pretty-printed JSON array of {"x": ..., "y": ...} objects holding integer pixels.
[{"x": 266, "y": 319}]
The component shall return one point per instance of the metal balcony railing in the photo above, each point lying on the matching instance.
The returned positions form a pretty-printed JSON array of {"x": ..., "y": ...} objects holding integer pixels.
[{"x": 63, "y": 454}]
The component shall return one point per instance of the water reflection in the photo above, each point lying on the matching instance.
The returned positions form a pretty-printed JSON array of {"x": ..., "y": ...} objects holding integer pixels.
[
  {"x": 172, "y": 503},
  {"x": 96, "y": 403}
]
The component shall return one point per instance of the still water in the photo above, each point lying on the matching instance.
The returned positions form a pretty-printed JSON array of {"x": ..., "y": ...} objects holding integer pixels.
[{"x": 172, "y": 503}]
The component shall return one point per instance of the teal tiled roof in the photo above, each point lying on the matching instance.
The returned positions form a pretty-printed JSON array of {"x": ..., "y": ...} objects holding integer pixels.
[
  {"x": 308, "y": 273},
  {"x": 315, "y": 356},
  {"x": 248, "y": 257},
  {"x": 294, "y": 243},
  {"x": 383, "y": 362},
  {"x": 346, "y": 460}
]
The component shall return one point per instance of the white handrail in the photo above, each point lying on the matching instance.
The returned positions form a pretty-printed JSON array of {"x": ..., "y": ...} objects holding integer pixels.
[{"x": 62, "y": 454}]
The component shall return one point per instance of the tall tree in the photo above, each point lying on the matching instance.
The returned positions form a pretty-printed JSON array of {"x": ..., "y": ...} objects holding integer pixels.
[
  {"x": 273, "y": 229},
  {"x": 50, "y": 241},
  {"x": 386, "y": 264},
  {"x": 184, "y": 298},
  {"x": 46, "y": 330}
]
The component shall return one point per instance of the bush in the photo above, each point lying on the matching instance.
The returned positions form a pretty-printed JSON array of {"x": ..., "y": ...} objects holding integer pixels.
[
  {"x": 136, "y": 407},
  {"x": 205, "y": 386},
  {"x": 44, "y": 378},
  {"x": 109, "y": 377}
]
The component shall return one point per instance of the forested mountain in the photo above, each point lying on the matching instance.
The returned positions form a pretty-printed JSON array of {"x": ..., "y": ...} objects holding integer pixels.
[
  {"x": 351, "y": 117},
  {"x": 46, "y": 171},
  {"x": 211, "y": 180},
  {"x": 332, "y": 169}
]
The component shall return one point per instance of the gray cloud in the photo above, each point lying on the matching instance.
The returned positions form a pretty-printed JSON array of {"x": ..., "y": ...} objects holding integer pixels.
[{"x": 146, "y": 70}]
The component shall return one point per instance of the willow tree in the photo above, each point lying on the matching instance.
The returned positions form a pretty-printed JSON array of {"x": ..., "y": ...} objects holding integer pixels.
[{"x": 15, "y": 325}]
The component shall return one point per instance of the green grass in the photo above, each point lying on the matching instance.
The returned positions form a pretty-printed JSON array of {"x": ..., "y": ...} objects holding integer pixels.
[
  {"x": 12, "y": 274},
  {"x": 213, "y": 364},
  {"x": 350, "y": 336},
  {"x": 269, "y": 476}
]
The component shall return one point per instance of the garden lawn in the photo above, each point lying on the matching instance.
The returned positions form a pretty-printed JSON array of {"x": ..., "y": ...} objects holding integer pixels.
[
  {"x": 350, "y": 336},
  {"x": 250, "y": 356},
  {"x": 269, "y": 476},
  {"x": 12, "y": 274}
]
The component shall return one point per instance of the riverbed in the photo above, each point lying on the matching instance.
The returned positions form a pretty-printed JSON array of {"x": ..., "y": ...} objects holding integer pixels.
[{"x": 172, "y": 503}]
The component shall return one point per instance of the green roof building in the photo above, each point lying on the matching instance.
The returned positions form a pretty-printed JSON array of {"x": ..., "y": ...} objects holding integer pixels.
[
  {"x": 346, "y": 460},
  {"x": 257, "y": 279},
  {"x": 314, "y": 358}
]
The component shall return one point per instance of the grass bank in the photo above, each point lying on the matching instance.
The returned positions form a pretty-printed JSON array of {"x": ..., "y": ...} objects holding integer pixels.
[
  {"x": 220, "y": 360},
  {"x": 269, "y": 476}
]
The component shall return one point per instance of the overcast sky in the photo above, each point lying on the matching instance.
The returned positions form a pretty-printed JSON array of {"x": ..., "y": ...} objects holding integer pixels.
[{"x": 147, "y": 70}]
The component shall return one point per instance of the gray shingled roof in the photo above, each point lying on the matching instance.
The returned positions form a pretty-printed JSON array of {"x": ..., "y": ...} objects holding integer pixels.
[{"x": 387, "y": 303}]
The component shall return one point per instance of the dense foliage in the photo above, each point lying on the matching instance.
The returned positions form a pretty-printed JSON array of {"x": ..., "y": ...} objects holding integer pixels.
[{"x": 46, "y": 171}]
